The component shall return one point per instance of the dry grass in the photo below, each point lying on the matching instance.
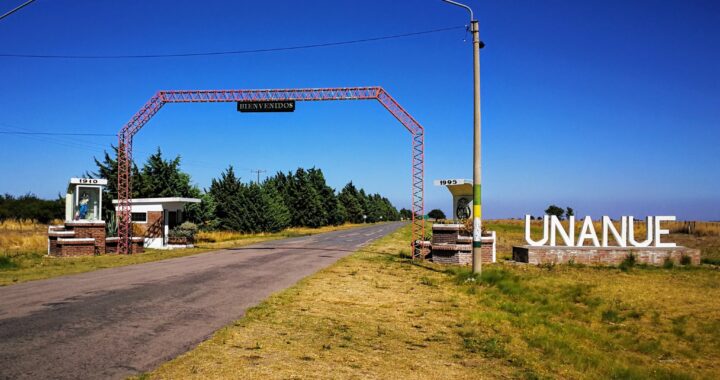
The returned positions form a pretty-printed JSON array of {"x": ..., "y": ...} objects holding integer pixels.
[
  {"x": 376, "y": 315},
  {"x": 204, "y": 237},
  {"x": 23, "y": 249},
  {"x": 22, "y": 236}
]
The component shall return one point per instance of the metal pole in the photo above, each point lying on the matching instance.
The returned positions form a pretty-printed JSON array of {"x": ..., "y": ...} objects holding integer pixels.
[
  {"x": 477, "y": 142},
  {"x": 477, "y": 157}
]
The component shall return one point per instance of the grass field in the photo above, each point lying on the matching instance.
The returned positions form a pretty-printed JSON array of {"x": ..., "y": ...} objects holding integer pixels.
[
  {"x": 23, "y": 249},
  {"x": 377, "y": 315}
]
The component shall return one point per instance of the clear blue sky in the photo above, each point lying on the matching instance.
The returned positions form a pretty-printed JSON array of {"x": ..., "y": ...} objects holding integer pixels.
[{"x": 611, "y": 107}]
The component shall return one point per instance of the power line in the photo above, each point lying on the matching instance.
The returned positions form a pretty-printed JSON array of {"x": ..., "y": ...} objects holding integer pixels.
[
  {"x": 19, "y": 7},
  {"x": 54, "y": 133},
  {"x": 232, "y": 52},
  {"x": 258, "y": 171}
]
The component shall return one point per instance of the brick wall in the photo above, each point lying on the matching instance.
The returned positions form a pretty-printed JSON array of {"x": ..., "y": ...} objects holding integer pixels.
[
  {"x": 90, "y": 230},
  {"x": 61, "y": 246},
  {"x": 460, "y": 254},
  {"x": 603, "y": 256},
  {"x": 138, "y": 245},
  {"x": 154, "y": 228}
]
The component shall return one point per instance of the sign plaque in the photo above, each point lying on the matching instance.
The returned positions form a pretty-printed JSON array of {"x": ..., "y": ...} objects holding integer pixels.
[{"x": 266, "y": 106}]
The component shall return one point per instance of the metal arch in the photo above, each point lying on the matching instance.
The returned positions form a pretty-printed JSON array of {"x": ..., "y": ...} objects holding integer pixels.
[{"x": 126, "y": 134}]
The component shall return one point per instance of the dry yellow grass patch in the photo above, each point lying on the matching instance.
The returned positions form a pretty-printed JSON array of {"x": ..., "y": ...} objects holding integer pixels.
[
  {"x": 377, "y": 315},
  {"x": 204, "y": 237},
  {"x": 22, "y": 236},
  {"x": 360, "y": 318}
]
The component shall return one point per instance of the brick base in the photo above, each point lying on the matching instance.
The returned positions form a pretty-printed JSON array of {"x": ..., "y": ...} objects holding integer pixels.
[
  {"x": 138, "y": 246},
  {"x": 602, "y": 255},
  {"x": 461, "y": 257},
  {"x": 85, "y": 239}
]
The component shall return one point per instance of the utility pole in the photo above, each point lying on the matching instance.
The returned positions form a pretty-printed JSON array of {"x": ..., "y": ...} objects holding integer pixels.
[
  {"x": 258, "y": 174},
  {"x": 477, "y": 173}
]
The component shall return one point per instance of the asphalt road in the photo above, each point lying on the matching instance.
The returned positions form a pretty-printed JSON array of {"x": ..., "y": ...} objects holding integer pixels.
[{"x": 113, "y": 323}]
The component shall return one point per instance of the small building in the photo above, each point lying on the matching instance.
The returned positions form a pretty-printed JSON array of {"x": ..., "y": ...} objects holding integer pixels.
[
  {"x": 462, "y": 196},
  {"x": 452, "y": 243},
  {"x": 154, "y": 218},
  {"x": 83, "y": 232}
]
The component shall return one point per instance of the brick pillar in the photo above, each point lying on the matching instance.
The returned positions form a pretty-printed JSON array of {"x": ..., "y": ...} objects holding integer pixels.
[{"x": 95, "y": 230}]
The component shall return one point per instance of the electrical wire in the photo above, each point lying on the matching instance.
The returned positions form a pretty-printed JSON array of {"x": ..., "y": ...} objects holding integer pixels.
[
  {"x": 19, "y": 7},
  {"x": 231, "y": 52},
  {"x": 54, "y": 133}
]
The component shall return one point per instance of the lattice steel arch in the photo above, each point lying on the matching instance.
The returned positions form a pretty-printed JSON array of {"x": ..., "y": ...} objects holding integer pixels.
[{"x": 126, "y": 134}]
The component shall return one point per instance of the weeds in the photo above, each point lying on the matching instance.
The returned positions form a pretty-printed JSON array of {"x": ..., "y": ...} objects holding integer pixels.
[
  {"x": 685, "y": 260},
  {"x": 7, "y": 263},
  {"x": 668, "y": 263},
  {"x": 628, "y": 263}
]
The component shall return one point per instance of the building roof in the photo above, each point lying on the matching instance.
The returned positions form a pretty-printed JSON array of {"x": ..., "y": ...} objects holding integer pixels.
[
  {"x": 140, "y": 201},
  {"x": 456, "y": 186}
]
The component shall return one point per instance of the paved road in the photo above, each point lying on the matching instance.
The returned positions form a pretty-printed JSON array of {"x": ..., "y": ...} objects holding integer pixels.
[{"x": 116, "y": 322}]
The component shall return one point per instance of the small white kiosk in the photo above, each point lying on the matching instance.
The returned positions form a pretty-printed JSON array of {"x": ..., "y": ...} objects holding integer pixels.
[
  {"x": 155, "y": 217},
  {"x": 462, "y": 193}
]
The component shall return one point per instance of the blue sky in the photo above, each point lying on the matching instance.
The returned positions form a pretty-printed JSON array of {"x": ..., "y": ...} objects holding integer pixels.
[{"x": 611, "y": 107}]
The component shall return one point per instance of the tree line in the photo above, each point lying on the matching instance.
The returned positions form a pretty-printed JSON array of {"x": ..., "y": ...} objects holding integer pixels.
[
  {"x": 294, "y": 199},
  {"x": 30, "y": 207}
]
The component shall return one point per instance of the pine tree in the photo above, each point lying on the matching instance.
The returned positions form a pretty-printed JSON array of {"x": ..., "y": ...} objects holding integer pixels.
[
  {"x": 349, "y": 199},
  {"x": 331, "y": 205},
  {"x": 227, "y": 192},
  {"x": 277, "y": 215},
  {"x": 163, "y": 178},
  {"x": 306, "y": 205}
]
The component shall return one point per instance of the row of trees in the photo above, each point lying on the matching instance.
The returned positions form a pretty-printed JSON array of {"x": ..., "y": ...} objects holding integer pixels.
[
  {"x": 302, "y": 198},
  {"x": 299, "y": 199},
  {"x": 31, "y": 207}
]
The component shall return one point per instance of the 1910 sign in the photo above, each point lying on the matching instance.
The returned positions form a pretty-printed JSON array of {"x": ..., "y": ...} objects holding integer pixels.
[{"x": 276, "y": 106}]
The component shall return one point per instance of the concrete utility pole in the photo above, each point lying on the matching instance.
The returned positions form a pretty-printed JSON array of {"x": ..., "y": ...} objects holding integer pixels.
[
  {"x": 477, "y": 173},
  {"x": 258, "y": 174}
]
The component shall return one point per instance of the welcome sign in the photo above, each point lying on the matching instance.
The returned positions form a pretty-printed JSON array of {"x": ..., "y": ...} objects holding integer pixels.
[{"x": 622, "y": 235}]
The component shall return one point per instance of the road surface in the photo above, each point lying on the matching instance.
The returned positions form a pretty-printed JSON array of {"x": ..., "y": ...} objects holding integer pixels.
[{"x": 116, "y": 322}]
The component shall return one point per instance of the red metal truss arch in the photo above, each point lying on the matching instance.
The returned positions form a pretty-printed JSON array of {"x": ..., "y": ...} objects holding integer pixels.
[{"x": 126, "y": 134}]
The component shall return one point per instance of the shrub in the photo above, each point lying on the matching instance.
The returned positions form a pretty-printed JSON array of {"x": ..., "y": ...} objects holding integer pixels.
[
  {"x": 186, "y": 230},
  {"x": 707, "y": 260},
  {"x": 629, "y": 262},
  {"x": 668, "y": 263},
  {"x": 7, "y": 263},
  {"x": 685, "y": 260}
]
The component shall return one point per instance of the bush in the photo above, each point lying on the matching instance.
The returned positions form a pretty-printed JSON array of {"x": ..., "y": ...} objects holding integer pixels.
[
  {"x": 629, "y": 262},
  {"x": 685, "y": 260},
  {"x": 707, "y": 260},
  {"x": 7, "y": 263},
  {"x": 668, "y": 263},
  {"x": 186, "y": 230}
]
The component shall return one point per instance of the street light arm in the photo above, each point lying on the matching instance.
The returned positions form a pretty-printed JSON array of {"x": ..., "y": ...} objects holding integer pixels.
[{"x": 472, "y": 18}]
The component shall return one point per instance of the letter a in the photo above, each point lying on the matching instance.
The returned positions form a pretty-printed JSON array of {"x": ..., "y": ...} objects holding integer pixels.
[{"x": 588, "y": 232}]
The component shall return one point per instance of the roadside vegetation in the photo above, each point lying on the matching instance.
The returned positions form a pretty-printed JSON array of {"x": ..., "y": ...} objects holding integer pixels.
[
  {"x": 294, "y": 199},
  {"x": 231, "y": 213},
  {"x": 23, "y": 250},
  {"x": 377, "y": 314}
]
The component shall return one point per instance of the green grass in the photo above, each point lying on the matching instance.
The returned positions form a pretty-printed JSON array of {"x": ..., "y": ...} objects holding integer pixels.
[{"x": 376, "y": 314}]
